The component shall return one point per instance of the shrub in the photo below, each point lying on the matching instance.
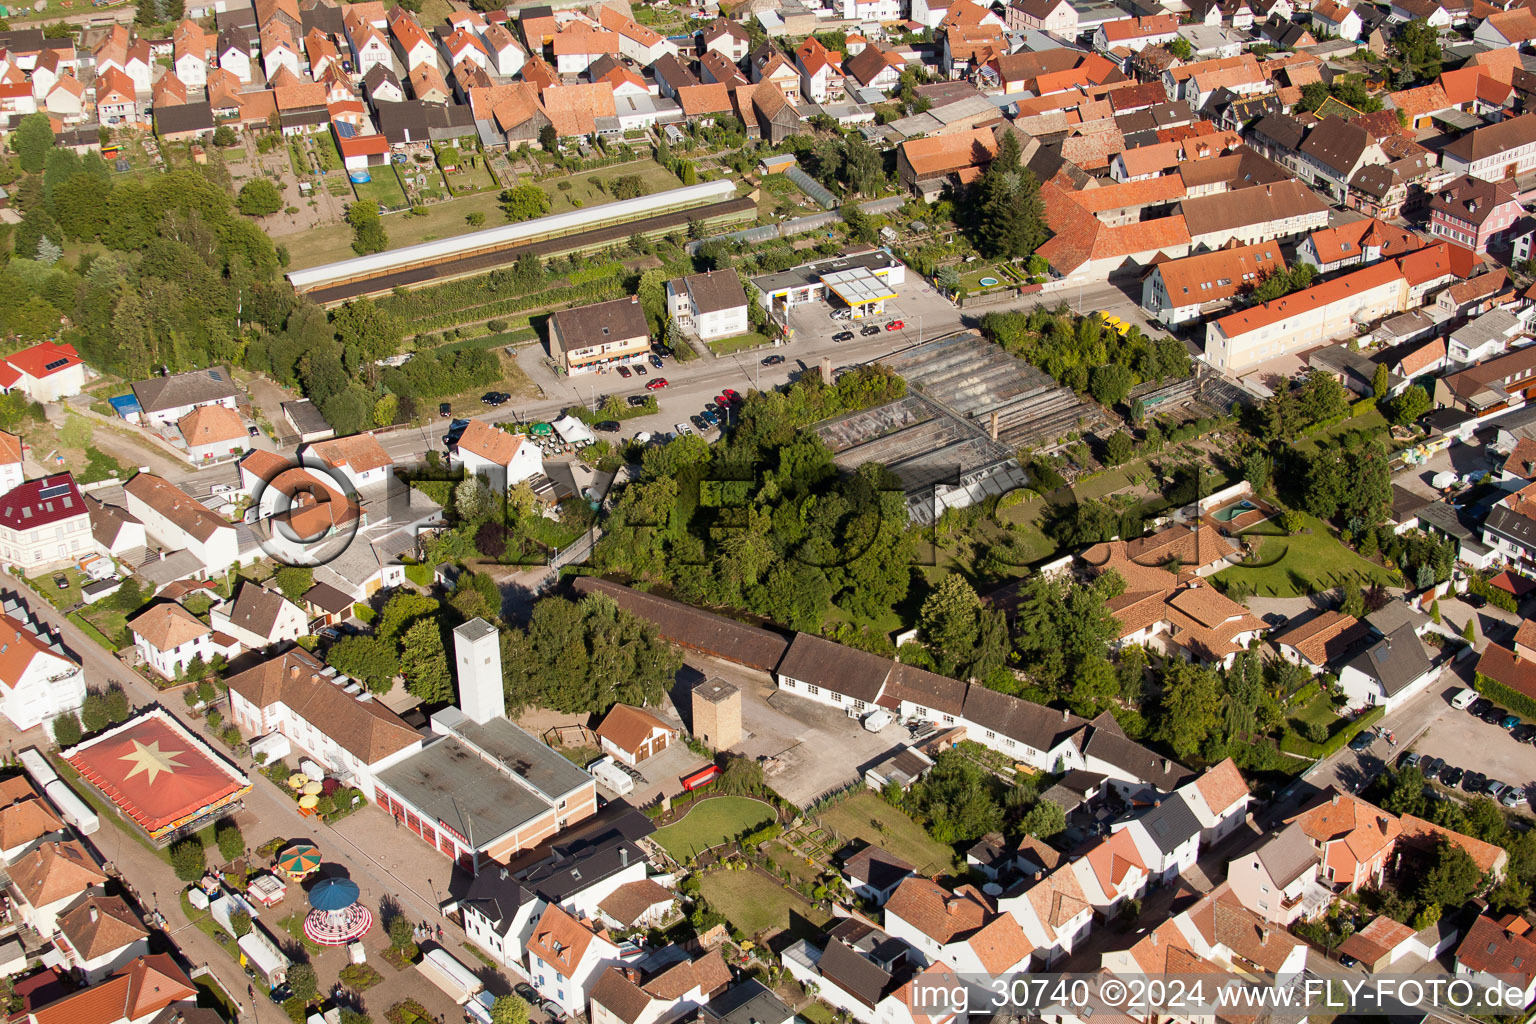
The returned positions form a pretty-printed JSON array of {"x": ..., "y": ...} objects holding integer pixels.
[
  {"x": 66, "y": 729},
  {"x": 188, "y": 860}
]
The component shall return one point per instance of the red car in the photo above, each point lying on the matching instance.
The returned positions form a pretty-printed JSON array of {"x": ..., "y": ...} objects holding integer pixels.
[
  {"x": 731, "y": 395},
  {"x": 895, "y": 325},
  {"x": 656, "y": 385}
]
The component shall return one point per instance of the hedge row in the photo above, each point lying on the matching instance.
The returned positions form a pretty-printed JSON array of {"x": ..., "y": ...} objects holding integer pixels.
[
  {"x": 597, "y": 291},
  {"x": 1514, "y": 700},
  {"x": 1290, "y": 743},
  {"x": 1302, "y": 697}
]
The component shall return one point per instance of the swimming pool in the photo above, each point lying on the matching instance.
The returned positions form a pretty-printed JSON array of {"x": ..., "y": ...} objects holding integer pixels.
[
  {"x": 1231, "y": 512},
  {"x": 987, "y": 282}
]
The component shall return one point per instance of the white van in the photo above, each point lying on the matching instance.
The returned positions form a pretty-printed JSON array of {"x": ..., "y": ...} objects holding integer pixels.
[
  {"x": 1463, "y": 699},
  {"x": 478, "y": 1009}
]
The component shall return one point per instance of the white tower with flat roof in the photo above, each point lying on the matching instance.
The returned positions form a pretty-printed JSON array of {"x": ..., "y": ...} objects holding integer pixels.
[{"x": 477, "y": 656}]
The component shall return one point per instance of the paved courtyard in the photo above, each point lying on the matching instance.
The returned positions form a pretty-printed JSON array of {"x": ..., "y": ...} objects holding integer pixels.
[{"x": 811, "y": 749}]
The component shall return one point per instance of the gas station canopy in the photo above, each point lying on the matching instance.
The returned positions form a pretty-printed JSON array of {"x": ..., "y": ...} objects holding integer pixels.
[{"x": 858, "y": 287}]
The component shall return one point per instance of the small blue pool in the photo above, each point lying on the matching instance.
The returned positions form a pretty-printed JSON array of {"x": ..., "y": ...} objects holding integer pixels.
[{"x": 987, "y": 282}]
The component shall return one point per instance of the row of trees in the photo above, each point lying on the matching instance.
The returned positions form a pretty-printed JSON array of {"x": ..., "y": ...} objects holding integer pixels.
[{"x": 1081, "y": 353}]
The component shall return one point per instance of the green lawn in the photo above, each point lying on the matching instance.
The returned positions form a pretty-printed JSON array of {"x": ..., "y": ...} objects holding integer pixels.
[
  {"x": 656, "y": 177},
  {"x": 1319, "y": 709},
  {"x": 1303, "y": 563},
  {"x": 710, "y": 823},
  {"x": 725, "y": 346},
  {"x": 865, "y": 816},
  {"x": 755, "y": 903},
  {"x": 385, "y": 189}
]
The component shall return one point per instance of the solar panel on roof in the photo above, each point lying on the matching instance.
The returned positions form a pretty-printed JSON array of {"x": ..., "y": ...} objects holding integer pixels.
[
  {"x": 56, "y": 364},
  {"x": 54, "y": 491},
  {"x": 215, "y": 375}
]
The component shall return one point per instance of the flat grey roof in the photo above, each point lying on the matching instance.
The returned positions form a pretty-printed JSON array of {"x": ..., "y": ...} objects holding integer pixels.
[
  {"x": 451, "y": 783},
  {"x": 808, "y": 274},
  {"x": 521, "y": 753}
]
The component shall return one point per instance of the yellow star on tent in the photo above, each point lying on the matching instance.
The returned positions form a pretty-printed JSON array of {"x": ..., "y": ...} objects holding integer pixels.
[{"x": 152, "y": 759}]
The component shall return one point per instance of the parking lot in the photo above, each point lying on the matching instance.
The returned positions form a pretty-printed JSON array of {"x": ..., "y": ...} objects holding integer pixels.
[
  {"x": 1464, "y": 741},
  {"x": 923, "y": 313}
]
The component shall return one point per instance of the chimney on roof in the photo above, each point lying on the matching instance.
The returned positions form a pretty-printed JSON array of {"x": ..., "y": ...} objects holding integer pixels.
[
  {"x": 293, "y": 671},
  {"x": 1263, "y": 936},
  {"x": 1335, "y": 800},
  {"x": 94, "y": 913},
  {"x": 624, "y": 856},
  {"x": 952, "y": 905},
  {"x": 1065, "y": 714},
  {"x": 1167, "y": 765}
]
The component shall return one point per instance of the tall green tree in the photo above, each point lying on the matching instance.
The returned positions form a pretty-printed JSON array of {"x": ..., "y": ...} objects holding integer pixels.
[
  {"x": 32, "y": 141},
  {"x": 424, "y": 663},
  {"x": 368, "y": 234},
  {"x": 1008, "y": 217}
]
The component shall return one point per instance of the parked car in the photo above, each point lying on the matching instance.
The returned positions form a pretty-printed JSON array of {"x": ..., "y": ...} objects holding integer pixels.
[
  {"x": 772, "y": 360},
  {"x": 1409, "y": 759},
  {"x": 732, "y": 395},
  {"x": 253, "y": 430},
  {"x": 1510, "y": 722},
  {"x": 280, "y": 994},
  {"x": 872, "y": 329},
  {"x": 1475, "y": 600},
  {"x": 683, "y": 429},
  {"x": 896, "y": 325},
  {"x": 636, "y": 400},
  {"x": 1463, "y": 698},
  {"x": 609, "y": 426},
  {"x": 526, "y": 993},
  {"x": 1432, "y": 766},
  {"x": 495, "y": 398},
  {"x": 1524, "y": 732},
  {"x": 1473, "y": 782},
  {"x": 1494, "y": 715},
  {"x": 656, "y": 385},
  {"x": 552, "y": 1008},
  {"x": 623, "y": 370},
  {"x": 1345, "y": 960},
  {"x": 842, "y": 336},
  {"x": 698, "y": 421},
  {"x": 1362, "y": 741},
  {"x": 711, "y": 417},
  {"x": 1514, "y": 796},
  {"x": 445, "y": 410},
  {"x": 656, "y": 360},
  {"x": 1450, "y": 775},
  {"x": 328, "y": 633},
  {"x": 1477, "y": 707},
  {"x": 641, "y": 370},
  {"x": 1493, "y": 788}
]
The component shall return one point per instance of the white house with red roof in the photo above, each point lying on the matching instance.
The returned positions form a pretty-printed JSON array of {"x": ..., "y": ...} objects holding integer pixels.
[
  {"x": 169, "y": 638},
  {"x": 821, "y": 72},
  {"x": 11, "y": 473},
  {"x": 1219, "y": 799},
  {"x": 151, "y": 988},
  {"x": 359, "y": 458},
  {"x": 43, "y": 524},
  {"x": 959, "y": 929},
  {"x": 37, "y": 681},
  {"x": 359, "y": 152},
  {"x": 1111, "y": 872},
  {"x": 565, "y": 959},
  {"x": 46, "y": 372},
  {"x": 504, "y": 459}
]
